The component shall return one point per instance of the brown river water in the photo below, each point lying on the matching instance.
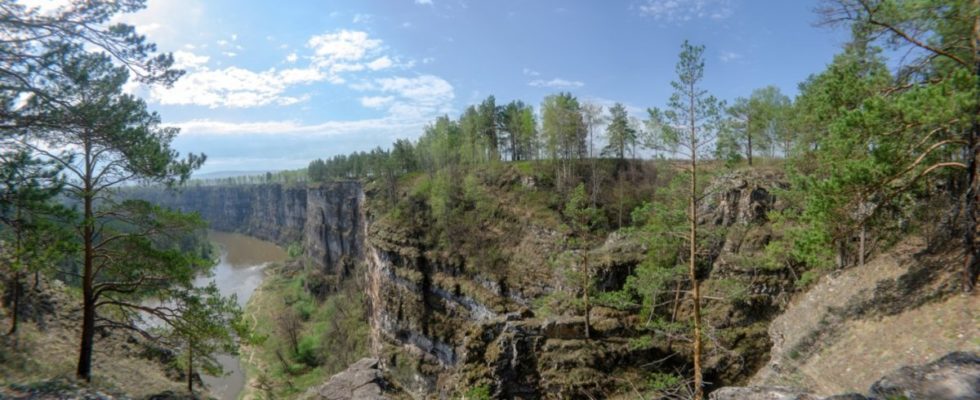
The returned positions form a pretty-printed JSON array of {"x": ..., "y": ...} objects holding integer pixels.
[{"x": 239, "y": 271}]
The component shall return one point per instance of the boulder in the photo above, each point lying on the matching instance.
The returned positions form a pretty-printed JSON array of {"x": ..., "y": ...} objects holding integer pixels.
[
  {"x": 363, "y": 380},
  {"x": 955, "y": 376},
  {"x": 761, "y": 393}
]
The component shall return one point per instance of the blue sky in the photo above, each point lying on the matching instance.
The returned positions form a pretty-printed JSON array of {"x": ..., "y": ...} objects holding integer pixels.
[{"x": 273, "y": 84}]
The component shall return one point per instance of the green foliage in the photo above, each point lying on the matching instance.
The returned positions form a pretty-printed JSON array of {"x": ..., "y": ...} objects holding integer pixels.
[
  {"x": 663, "y": 382},
  {"x": 294, "y": 250},
  {"x": 309, "y": 351},
  {"x": 481, "y": 392},
  {"x": 620, "y": 133},
  {"x": 755, "y": 125},
  {"x": 564, "y": 134},
  {"x": 662, "y": 224},
  {"x": 692, "y": 118}
]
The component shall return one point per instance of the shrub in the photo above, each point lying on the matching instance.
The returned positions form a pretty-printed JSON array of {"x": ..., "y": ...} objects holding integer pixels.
[{"x": 308, "y": 351}]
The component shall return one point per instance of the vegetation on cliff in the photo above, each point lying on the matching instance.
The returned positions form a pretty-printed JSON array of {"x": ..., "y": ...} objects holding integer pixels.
[{"x": 306, "y": 327}]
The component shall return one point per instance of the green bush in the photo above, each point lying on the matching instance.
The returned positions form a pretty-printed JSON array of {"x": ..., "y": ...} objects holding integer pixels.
[
  {"x": 481, "y": 392},
  {"x": 294, "y": 250},
  {"x": 308, "y": 351}
]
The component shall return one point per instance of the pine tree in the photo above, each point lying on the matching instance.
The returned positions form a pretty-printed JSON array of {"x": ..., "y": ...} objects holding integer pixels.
[{"x": 690, "y": 124}]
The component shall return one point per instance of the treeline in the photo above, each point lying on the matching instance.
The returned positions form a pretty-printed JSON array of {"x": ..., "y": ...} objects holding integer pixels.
[{"x": 566, "y": 129}]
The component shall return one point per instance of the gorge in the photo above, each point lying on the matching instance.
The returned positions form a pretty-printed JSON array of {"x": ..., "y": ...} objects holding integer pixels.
[{"x": 443, "y": 325}]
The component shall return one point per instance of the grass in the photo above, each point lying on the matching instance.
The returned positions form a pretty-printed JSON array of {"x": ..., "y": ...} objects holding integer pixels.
[{"x": 38, "y": 355}]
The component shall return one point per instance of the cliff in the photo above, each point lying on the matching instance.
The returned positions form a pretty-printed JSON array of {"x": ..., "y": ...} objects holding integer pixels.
[
  {"x": 483, "y": 295},
  {"x": 326, "y": 219},
  {"x": 447, "y": 320}
]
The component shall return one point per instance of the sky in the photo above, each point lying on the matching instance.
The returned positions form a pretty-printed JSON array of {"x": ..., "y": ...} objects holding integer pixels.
[{"x": 271, "y": 85}]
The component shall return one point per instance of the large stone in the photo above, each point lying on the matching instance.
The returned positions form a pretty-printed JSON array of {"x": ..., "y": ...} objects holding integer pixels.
[
  {"x": 761, "y": 393},
  {"x": 953, "y": 377},
  {"x": 361, "y": 381}
]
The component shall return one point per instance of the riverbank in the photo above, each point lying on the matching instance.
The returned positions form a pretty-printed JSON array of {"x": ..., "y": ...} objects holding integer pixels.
[
  {"x": 299, "y": 339},
  {"x": 239, "y": 271}
]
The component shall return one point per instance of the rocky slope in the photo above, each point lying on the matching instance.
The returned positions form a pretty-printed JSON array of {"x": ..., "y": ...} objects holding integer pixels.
[
  {"x": 856, "y": 325},
  {"x": 955, "y": 376}
]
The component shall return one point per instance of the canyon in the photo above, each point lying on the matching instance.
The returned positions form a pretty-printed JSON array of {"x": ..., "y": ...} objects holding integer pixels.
[{"x": 442, "y": 324}]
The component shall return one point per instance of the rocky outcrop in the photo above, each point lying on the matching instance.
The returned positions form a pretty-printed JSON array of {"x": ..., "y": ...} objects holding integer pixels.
[
  {"x": 334, "y": 226},
  {"x": 361, "y": 381},
  {"x": 326, "y": 219},
  {"x": 955, "y": 376},
  {"x": 442, "y": 324},
  {"x": 270, "y": 212},
  {"x": 898, "y": 309}
]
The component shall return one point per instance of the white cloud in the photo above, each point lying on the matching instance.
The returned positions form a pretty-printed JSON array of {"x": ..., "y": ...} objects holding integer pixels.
[
  {"x": 380, "y": 63},
  {"x": 531, "y": 72},
  {"x": 148, "y": 28},
  {"x": 46, "y": 6},
  {"x": 556, "y": 83},
  {"x": 290, "y": 127},
  {"x": 428, "y": 60},
  {"x": 686, "y": 10},
  {"x": 343, "y": 45},
  {"x": 376, "y": 101},
  {"x": 222, "y": 42},
  {"x": 335, "y": 55},
  {"x": 300, "y": 75},
  {"x": 169, "y": 23},
  {"x": 188, "y": 60},
  {"x": 426, "y": 89},
  {"x": 233, "y": 87},
  {"x": 424, "y": 2},
  {"x": 727, "y": 56}
]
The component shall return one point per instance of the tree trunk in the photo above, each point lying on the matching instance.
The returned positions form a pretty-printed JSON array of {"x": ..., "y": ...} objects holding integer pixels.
[
  {"x": 861, "y": 245},
  {"x": 585, "y": 295},
  {"x": 16, "y": 304},
  {"x": 190, "y": 367},
  {"x": 16, "y": 279},
  {"x": 692, "y": 265},
  {"x": 971, "y": 264},
  {"x": 748, "y": 136},
  {"x": 84, "y": 370}
]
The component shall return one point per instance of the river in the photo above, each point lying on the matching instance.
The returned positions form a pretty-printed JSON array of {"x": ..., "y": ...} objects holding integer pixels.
[{"x": 239, "y": 271}]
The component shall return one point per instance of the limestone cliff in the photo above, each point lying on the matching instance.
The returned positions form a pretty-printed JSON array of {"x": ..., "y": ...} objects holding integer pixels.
[
  {"x": 444, "y": 322},
  {"x": 326, "y": 219}
]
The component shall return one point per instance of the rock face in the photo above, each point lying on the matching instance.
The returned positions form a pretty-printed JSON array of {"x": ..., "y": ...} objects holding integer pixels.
[
  {"x": 334, "y": 226},
  {"x": 955, "y": 376},
  {"x": 361, "y": 381},
  {"x": 326, "y": 219},
  {"x": 442, "y": 324},
  {"x": 762, "y": 393}
]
